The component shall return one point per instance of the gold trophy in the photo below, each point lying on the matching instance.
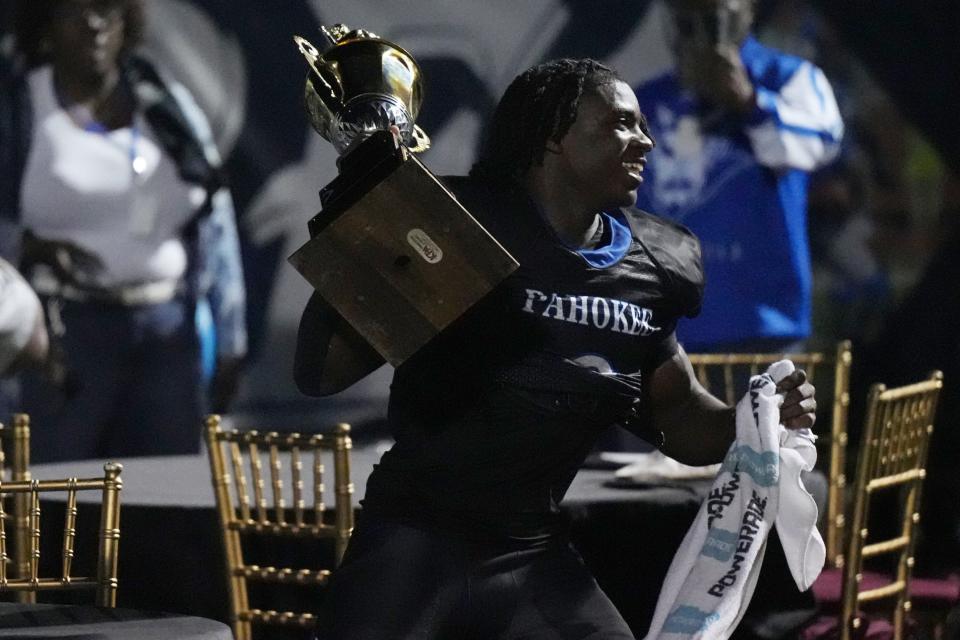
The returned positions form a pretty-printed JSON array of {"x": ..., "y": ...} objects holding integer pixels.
[
  {"x": 362, "y": 84},
  {"x": 391, "y": 250}
]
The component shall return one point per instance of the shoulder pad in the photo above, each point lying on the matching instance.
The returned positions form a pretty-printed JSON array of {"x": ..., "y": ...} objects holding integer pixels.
[{"x": 676, "y": 251}]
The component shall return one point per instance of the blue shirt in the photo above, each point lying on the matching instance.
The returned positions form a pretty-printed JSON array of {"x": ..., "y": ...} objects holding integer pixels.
[{"x": 740, "y": 185}]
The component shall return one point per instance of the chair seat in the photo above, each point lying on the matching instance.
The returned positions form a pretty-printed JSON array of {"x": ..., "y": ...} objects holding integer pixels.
[
  {"x": 828, "y": 586},
  {"x": 924, "y": 592},
  {"x": 935, "y": 592},
  {"x": 828, "y": 628}
]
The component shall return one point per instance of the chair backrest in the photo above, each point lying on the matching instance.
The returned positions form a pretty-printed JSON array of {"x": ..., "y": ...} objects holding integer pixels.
[
  {"x": 890, "y": 466},
  {"x": 30, "y": 580},
  {"x": 15, "y": 467},
  {"x": 284, "y": 510},
  {"x": 726, "y": 375}
]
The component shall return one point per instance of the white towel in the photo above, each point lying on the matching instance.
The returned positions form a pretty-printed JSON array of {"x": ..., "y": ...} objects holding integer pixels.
[{"x": 714, "y": 572}]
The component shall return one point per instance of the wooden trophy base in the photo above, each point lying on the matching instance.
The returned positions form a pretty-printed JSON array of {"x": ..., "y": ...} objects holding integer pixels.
[{"x": 395, "y": 253}]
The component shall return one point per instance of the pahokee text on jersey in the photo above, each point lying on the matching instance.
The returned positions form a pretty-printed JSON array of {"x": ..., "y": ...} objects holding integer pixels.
[{"x": 494, "y": 416}]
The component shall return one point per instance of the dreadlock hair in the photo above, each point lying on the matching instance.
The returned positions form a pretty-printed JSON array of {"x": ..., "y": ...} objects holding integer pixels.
[
  {"x": 32, "y": 19},
  {"x": 539, "y": 106}
]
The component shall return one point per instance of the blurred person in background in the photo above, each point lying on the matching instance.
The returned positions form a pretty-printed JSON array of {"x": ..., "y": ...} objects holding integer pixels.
[
  {"x": 113, "y": 200},
  {"x": 739, "y": 127},
  {"x": 853, "y": 286}
]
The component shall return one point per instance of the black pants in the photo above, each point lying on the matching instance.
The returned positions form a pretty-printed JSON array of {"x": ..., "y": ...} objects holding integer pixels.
[
  {"x": 399, "y": 581},
  {"x": 136, "y": 387}
]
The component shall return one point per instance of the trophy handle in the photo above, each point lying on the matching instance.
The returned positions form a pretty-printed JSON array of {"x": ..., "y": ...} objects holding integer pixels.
[
  {"x": 420, "y": 140},
  {"x": 313, "y": 59}
]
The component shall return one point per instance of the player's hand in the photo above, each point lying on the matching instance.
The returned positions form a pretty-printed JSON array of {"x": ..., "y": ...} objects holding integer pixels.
[{"x": 799, "y": 408}]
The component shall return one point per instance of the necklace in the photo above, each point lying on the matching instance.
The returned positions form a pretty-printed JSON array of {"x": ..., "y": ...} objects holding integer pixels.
[
  {"x": 83, "y": 116},
  {"x": 138, "y": 164}
]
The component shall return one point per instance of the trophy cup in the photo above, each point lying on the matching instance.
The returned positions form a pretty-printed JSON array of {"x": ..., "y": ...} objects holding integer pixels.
[{"x": 391, "y": 249}]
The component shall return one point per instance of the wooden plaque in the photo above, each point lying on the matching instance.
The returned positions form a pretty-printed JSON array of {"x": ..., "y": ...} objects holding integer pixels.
[{"x": 403, "y": 262}]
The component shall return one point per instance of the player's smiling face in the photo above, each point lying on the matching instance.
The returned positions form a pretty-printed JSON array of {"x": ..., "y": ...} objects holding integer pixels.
[{"x": 604, "y": 151}]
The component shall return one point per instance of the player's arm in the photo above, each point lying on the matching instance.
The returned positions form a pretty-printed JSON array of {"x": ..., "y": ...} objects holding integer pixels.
[
  {"x": 698, "y": 428},
  {"x": 330, "y": 354}
]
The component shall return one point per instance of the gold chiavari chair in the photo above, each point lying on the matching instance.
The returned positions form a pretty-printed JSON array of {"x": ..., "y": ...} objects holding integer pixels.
[
  {"x": 105, "y": 582},
  {"x": 15, "y": 467},
  {"x": 726, "y": 375},
  {"x": 892, "y": 458},
  {"x": 237, "y": 461},
  {"x": 891, "y": 467}
]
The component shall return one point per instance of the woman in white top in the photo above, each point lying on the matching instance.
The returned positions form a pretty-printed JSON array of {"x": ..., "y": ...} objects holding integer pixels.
[{"x": 126, "y": 224}]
